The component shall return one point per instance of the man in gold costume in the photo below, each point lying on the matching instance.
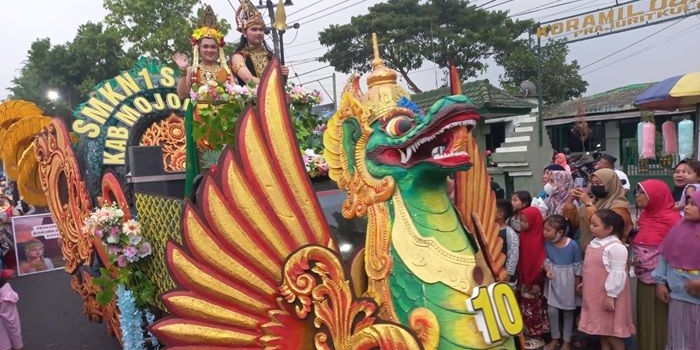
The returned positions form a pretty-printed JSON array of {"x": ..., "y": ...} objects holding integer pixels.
[{"x": 252, "y": 54}]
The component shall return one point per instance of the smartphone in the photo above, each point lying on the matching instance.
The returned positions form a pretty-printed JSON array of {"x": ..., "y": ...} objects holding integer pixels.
[{"x": 578, "y": 182}]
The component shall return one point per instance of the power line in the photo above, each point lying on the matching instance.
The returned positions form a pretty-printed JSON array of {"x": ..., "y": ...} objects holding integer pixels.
[
  {"x": 311, "y": 71},
  {"x": 486, "y": 3},
  {"x": 664, "y": 41},
  {"x": 346, "y": 7},
  {"x": 495, "y": 5},
  {"x": 304, "y": 8},
  {"x": 325, "y": 9},
  {"x": 634, "y": 43},
  {"x": 544, "y": 7}
]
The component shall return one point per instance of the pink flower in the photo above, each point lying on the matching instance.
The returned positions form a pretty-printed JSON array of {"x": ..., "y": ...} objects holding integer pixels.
[
  {"x": 131, "y": 228},
  {"x": 98, "y": 233},
  {"x": 114, "y": 250},
  {"x": 121, "y": 261},
  {"x": 130, "y": 253},
  {"x": 145, "y": 250}
]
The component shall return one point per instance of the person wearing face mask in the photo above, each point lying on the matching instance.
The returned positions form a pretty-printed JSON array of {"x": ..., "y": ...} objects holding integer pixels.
[{"x": 608, "y": 193}]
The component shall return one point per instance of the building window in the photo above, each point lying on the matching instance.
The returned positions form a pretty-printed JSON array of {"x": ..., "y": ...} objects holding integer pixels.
[
  {"x": 496, "y": 136},
  {"x": 562, "y": 137}
]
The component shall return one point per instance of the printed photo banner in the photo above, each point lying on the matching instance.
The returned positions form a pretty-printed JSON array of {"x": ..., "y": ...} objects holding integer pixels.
[{"x": 37, "y": 244}]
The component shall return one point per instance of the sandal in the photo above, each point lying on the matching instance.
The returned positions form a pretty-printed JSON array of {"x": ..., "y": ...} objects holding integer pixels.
[
  {"x": 533, "y": 343},
  {"x": 552, "y": 345}
]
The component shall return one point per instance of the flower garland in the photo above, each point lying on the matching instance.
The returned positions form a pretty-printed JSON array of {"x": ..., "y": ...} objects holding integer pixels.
[
  {"x": 130, "y": 320},
  {"x": 207, "y": 32},
  {"x": 125, "y": 248}
]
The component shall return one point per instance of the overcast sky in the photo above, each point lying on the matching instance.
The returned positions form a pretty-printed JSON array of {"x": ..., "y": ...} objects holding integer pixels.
[{"x": 655, "y": 52}]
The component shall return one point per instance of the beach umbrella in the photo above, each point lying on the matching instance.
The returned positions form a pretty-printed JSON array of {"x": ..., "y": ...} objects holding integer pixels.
[{"x": 682, "y": 91}]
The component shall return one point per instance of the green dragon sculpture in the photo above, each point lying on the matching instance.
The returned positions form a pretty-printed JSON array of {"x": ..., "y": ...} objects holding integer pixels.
[{"x": 258, "y": 217}]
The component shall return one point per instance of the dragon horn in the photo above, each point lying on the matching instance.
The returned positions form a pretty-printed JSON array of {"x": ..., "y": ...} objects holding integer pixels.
[{"x": 455, "y": 84}]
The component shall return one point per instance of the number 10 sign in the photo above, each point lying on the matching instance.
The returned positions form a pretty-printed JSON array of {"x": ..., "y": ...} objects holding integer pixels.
[{"x": 497, "y": 311}]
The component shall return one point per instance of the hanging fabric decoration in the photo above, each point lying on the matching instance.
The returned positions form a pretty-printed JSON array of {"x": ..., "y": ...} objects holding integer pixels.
[
  {"x": 685, "y": 138},
  {"x": 648, "y": 141},
  {"x": 668, "y": 132},
  {"x": 639, "y": 138}
]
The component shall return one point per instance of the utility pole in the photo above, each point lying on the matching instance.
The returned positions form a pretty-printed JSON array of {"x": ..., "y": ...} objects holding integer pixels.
[{"x": 273, "y": 32}]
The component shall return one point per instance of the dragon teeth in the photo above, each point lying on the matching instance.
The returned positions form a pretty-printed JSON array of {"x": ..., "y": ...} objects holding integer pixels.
[
  {"x": 451, "y": 154},
  {"x": 438, "y": 151},
  {"x": 405, "y": 157}
]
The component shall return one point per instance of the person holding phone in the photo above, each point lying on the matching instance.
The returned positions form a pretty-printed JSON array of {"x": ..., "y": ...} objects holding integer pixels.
[{"x": 608, "y": 193}]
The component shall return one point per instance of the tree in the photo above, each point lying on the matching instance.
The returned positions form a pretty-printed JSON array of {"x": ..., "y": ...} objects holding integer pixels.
[
  {"x": 71, "y": 69},
  {"x": 157, "y": 28},
  {"x": 412, "y": 31},
  {"x": 561, "y": 81}
]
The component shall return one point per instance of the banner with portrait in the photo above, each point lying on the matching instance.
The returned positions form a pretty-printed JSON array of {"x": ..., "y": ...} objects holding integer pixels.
[{"x": 37, "y": 244}]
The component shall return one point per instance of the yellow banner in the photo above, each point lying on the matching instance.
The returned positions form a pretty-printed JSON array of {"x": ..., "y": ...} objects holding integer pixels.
[{"x": 618, "y": 18}]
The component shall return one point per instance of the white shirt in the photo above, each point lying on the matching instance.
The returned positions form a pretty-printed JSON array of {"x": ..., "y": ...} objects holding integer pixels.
[{"x": 615, "y": 262}]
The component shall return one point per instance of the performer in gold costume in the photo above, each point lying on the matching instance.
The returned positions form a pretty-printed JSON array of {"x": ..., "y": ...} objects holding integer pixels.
[
  {"x": 252, "y": 54},
  {"x": 208, "y": 63}
]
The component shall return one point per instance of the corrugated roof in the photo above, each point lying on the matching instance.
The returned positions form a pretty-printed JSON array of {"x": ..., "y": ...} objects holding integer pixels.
[
  {"x": 613, "y": 101},
  {"x": 491, "y": 101}
]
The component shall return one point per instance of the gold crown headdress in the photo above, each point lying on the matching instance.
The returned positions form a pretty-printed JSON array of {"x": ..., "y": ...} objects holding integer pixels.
[
  {"x": 383, "y": 91},
  {"x": 247, "y": 15},
  {"x": 208, "y": 28}
]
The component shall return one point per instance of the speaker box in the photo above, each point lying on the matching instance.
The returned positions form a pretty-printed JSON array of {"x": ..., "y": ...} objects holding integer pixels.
[{"x": 148, "y": 175}]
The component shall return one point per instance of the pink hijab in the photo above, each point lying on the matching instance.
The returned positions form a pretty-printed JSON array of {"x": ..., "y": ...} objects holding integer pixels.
[
  {"x": 681, "y": 246},
  {"x": 560, "y": 159}
]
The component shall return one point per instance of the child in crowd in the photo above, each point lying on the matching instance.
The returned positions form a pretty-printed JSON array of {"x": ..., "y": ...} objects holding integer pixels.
[
  {"x": 520, "y": 201},
  {"x": 686, "y": 172},
  {"x": 511, "y": 242},
  {"x": 10, "y": 329},
  {"x": 607, "y": 301},
  {"x": 678, "y": 275},
  {"x": 563, "y": 268},
  {"x": 531, "y": 278}
]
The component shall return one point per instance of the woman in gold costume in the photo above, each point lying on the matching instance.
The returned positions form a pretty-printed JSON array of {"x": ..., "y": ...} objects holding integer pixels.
[
  {"x": 252, "y": 54},
  {"x": 208, "y": 64}
]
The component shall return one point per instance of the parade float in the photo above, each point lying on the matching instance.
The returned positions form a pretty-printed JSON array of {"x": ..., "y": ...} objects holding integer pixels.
[{"x": 251, "y": 260}]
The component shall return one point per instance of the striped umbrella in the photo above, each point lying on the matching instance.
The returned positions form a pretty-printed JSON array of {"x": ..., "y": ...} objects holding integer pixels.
[{"x": 681, "y": 91}]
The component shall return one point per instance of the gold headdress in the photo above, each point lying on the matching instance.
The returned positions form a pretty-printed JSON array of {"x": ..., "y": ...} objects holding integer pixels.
[
  {"x": 208, "y": 29},
  {"x": 247, "y": 15},
  {"x": 383, "y": 92}
]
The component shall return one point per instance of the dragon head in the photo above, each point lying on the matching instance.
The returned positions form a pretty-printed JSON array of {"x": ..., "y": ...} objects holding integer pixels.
[
  {"x": 380, "y": 138},
  {"x": 407, "y": 142}
]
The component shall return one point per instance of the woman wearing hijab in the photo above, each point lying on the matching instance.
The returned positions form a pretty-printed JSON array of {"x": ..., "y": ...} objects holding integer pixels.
[
  {"x": 531, "y": 277},
  {"x": 608, "y": 193},
  {"x": 658, "y": 215},
  {"x": 560, "y": 159},
  {"x": 676, "y": 275}
]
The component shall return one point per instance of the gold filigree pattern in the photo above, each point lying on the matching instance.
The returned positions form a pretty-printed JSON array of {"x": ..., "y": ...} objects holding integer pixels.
[
  {"x": 65, "y": 190},
  {"x": 168, "y": 133},
  {"x": 160, "y": 222},
  {"x": 315, "y": 283}
]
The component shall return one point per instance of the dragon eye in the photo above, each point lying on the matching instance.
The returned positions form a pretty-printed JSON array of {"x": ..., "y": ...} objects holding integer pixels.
[{"x": 399, "y": 125}]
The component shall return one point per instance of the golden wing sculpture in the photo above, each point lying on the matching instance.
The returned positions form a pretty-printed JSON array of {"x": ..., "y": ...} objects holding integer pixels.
[{"x": 259, "y": 269}]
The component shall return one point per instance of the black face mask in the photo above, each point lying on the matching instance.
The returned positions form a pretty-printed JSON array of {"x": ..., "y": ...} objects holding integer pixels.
[{"x": 598, "y": 191}]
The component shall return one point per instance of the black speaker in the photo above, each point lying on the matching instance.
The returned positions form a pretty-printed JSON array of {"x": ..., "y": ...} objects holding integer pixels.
[{"x": 147, "y": 174}]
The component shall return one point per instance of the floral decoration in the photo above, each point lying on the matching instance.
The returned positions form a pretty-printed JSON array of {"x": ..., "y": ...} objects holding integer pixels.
[
  {"x": 207, "y": 32},
  {"x": 125, "y": 248},
  {"x": 220, "y": 105},
  {"x": 315, "y": 164}
]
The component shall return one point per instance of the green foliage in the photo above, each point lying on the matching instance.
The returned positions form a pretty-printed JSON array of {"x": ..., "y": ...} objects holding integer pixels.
[
  {"x": 133, "y": 278},
  {"x": 156, "y": 27},
  {"x": 71, "y": 69},
  {"x": 561, "y": 80},
  {"x": 412, "y": 31}
]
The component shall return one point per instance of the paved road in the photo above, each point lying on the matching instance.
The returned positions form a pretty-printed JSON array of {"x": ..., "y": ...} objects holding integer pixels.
[{"x": 52, "y": 317}]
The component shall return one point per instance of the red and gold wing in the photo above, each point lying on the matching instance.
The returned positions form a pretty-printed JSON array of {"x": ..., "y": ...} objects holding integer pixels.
[
  {"x": 477, "y": 205},
  {"x": 254, "y": 211}
]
